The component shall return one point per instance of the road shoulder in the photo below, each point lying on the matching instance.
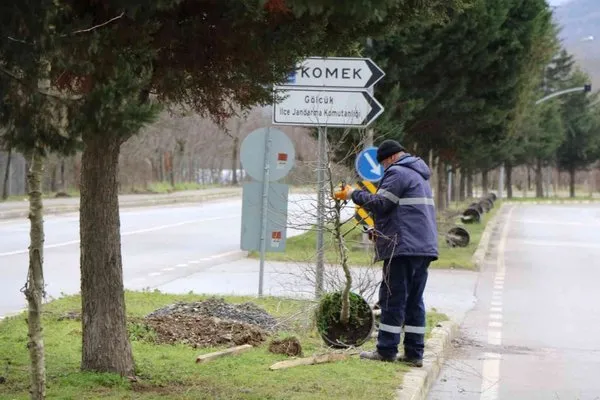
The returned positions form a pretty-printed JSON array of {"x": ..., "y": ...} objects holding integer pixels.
[{"x": 419, "y": 381}]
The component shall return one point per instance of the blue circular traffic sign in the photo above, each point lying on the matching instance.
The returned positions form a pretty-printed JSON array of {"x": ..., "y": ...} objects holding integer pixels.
[{"x": 367, "y": 165}]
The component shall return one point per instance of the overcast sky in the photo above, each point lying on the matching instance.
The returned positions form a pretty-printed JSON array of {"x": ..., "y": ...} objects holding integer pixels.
[{"x": 557, "y": 2}]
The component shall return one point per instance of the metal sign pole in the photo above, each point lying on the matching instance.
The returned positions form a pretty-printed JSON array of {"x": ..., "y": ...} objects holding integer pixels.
[
  {"x": 264, "y": 210},
  {"x": 321, "y": 212}
]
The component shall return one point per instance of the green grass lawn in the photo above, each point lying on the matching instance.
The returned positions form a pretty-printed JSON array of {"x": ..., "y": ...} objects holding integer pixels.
[
  {"x": 302, "y": 248},
  {"x": 170, "y": 371}
]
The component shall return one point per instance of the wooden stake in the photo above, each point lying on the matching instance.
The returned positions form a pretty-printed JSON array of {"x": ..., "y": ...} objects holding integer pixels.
[
  {"x": 223, "y": 353},
  {"x": 319, "y": 359}
]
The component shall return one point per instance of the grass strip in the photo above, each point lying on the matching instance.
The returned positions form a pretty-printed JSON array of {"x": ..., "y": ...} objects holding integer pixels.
[{"x": 170, "y": 371}]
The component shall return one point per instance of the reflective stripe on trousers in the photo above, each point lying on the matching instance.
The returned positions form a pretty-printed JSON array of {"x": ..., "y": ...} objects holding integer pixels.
[{"x": 407, "y": 329}]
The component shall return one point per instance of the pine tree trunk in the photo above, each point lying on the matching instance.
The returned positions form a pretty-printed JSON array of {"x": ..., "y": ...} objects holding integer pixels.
[
  {"x": 434, "y": 173},
  {"x": 469, "y": 185},
  {"x": 456, "y": 176},
  {"x": 161, "y": 167},
  {"x": 34, "y": 289},
  {"x": 63, "y": 181},
  {"x": 484, "y": 182},
  {"x": 462, "y": 186},
  {"x": 234, "y": 161},
  {"x": 539, "y": 179},
  {"x": 53, "y": 181},
  {"x": 528, "y": 178},
  {"x": 508, "y": 168},
  {"x": 554, "y": 182},
  {"x": 106, "y": 346},
  {"x": 5, "y": 185},
  {"x": 441, "y": 192},
  {"x": 572, "y": 182}
]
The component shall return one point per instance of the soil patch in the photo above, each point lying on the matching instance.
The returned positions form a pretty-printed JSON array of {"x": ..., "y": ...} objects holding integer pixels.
[
  {"x": 208, "y": 323},
  {"x": 248, "y": 313},
  {"x": 212, "y": 322},
  {"x": 289, "y": 346},
  {"x": 204, "y": 331}
]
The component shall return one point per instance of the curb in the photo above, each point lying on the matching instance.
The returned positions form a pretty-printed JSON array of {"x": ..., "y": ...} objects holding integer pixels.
[
  {"x": 484, "y": 242},
  {"x": 418, "y": 381},
  {"x": 53, "y": 210}
]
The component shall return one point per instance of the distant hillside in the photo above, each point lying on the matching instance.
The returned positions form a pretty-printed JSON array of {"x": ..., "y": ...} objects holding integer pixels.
[{"x": 580, "y": 22}]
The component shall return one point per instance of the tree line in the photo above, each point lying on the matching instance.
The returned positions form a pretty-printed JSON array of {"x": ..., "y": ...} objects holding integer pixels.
[
  {"x": 464, "y": 94},
  {"x": 176, "y": 151}
]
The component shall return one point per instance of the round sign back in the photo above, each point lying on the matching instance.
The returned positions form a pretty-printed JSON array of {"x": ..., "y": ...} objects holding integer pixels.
[{"x": 281, "y": 154}]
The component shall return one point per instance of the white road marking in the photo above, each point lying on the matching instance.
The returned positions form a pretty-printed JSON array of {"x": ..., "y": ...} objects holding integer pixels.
[
  {"x": 181, "y": 265},
  {"x": 168, "y": 269},
  {"x": 48, "y": 246},
  {"x": 194, "y": 262},
  {"x": 554, "y": 222},
  {"x": 555, "y": 243},
  {"x": 154, "y": 274},
  {"x": 223, "y": 255},
  {"x": 135, "y": 232},
  {"x": 491, "y": 364},
  {"x": 491, "y": 376}
]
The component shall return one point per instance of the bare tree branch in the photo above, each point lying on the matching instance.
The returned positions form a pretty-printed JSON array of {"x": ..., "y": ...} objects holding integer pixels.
[
  {"x": 100, "y": 25},
  {"x": 61, "y": 96},
  {"x": 17, "y": 40}
]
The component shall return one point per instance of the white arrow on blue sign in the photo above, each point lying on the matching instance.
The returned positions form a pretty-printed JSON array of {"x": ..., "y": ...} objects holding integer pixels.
[{"x": 367, "y": 166}]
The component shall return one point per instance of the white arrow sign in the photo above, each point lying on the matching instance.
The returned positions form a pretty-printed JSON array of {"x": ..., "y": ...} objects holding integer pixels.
[
  {"x": 333, "y": 108},
  {"x": 375, "y": 167},
  {"x": 335, "y": 72}
]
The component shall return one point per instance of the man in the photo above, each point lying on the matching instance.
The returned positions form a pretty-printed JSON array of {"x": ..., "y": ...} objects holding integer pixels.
[{"x": 406, "y": 242}]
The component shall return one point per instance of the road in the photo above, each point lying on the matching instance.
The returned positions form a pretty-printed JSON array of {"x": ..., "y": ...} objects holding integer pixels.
[
  {"x": 159, "y": 244},
  {"x": 535, "y": 330}
]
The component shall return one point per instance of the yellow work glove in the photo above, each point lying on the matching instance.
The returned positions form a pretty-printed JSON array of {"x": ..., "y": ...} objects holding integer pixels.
[{"x": 343, "y": 193}]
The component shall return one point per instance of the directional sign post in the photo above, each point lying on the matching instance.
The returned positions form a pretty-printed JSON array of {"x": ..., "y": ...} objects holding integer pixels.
[
  {"x": 367, "y": 165},
  {"x": 331, "y": 108},
  {"x": 329, "y": 92},
  {"x": 336, "y": 72}
]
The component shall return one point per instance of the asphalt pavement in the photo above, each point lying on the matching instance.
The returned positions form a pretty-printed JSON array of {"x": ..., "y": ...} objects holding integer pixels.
[
  {"x": 534, "y": 332},
  {"x": 448, "y": 291},
  {"x": 20, "y": 208},
  {"x": 159, "y": 244}
]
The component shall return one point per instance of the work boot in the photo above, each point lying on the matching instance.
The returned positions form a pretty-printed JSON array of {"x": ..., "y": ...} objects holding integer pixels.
[
  {"x": 412, "y": 362},
  {"x": 375, "y": 356}
]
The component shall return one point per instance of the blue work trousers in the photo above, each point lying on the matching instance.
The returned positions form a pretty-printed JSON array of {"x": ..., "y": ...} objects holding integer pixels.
[{"x": 402, "y": 307}]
